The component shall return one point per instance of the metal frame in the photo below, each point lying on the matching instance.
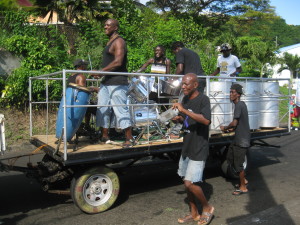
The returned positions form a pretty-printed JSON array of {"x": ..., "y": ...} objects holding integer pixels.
[{"x": 64, "y": 72}]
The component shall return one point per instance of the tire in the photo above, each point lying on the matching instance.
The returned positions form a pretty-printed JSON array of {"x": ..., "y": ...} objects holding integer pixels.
[
  {"x": 95, "y": 190},
  {"x": 229, "y": 171}
]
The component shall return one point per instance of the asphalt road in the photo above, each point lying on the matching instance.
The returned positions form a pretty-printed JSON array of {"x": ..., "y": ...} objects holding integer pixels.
[{"x": 154, "y": 194}]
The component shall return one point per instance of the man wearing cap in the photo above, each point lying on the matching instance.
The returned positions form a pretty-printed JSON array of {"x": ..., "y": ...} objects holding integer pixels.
[
  {"x": 239, "y": 147},
  {"x": 228, "y": 65},
  {"x": 113, "y": 88}
]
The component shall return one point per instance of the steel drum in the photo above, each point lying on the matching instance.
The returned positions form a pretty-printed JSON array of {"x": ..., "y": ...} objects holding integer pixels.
[
  {"x": 170, "y": 87},
  {"x": 149, "y": 83},
  {"x": 76, "y": 95},
  {"x": 269, "y": 105},
  {"x": 251, "y": 97},
  {"x": 143, "y": 115},
  {"x": 221, "y": 107},
  {"x": 137, "y": 91}
]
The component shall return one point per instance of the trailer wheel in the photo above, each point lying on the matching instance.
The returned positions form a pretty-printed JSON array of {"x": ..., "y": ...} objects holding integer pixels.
[
  {"x": 95, "y": 190},
  {"x": 229, "y": 171}
]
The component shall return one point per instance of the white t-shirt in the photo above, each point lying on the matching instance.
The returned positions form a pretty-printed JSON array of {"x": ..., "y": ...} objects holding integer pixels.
[{"x": 228, "y": 66}]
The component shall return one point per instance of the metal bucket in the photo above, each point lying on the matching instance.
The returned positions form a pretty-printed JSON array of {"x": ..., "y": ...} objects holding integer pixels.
[
  {"x": 269, "y": 105},
  {"x": 251, "y": 98},
  {"x": 221, "y": 107}
]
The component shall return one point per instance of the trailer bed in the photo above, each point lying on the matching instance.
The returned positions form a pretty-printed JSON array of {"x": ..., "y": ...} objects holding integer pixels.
[{"x": 86, "y": 152}]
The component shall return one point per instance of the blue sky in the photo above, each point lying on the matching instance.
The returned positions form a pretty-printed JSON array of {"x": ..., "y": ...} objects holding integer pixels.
[{"x": 287, "y": 9}]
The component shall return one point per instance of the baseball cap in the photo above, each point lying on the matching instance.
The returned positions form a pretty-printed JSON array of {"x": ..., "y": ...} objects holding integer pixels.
[
  {"x": 238, "y": 88},
  {"x": 225, "y": 47},
  {"x": 80, "y": 62}
]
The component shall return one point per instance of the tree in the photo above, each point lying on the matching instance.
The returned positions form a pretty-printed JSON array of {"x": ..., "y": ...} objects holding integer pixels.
[
  {"x": 230, "y": 7},
  {"x": 289, "y": 62}
]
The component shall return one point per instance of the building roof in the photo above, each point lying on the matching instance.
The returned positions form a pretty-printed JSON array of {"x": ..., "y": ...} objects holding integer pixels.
[{"x": 287, "y": 48}]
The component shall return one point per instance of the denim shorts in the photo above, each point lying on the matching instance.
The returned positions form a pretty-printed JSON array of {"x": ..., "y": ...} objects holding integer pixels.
[
  {"x": 117, "y": 116},
  {"x": 191, "y": 170}
]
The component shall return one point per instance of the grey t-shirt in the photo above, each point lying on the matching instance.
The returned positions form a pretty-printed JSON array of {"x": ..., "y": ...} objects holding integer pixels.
[{"x": 242, "y": 131}]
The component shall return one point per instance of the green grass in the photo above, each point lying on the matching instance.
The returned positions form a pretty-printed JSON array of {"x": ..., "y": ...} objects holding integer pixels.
[{"x": 284, "y": 104}]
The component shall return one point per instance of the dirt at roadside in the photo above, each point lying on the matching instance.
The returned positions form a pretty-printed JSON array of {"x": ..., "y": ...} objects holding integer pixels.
[{"x": 17, "y": 125}]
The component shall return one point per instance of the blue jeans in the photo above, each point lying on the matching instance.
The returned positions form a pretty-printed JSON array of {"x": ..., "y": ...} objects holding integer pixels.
[
  {"x": 191, "y": 170},
  {"x": 113, "y": 116}
]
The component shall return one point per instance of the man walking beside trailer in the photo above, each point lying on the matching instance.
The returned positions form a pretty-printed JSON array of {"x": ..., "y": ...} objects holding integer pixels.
[
  {"x": 239, "y": 147},
  {"x": 195, "y": 114},
  {"x": 113, "y": 88}
]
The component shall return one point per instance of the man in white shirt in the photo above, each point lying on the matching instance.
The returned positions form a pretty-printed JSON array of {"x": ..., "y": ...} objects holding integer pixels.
[{"x": 228, "y": 65}]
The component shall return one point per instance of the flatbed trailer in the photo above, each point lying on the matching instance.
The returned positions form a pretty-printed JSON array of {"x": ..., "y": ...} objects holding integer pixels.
[{"x": 87, "y": 170}]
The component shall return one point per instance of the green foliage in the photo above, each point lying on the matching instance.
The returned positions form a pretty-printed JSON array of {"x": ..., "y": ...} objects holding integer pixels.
[
  {"x": 16, "y": 22},
  {"x": 290, "y": 62},
  {"x": 44, "y": 49},
  {"x": 90, "y": 42}
]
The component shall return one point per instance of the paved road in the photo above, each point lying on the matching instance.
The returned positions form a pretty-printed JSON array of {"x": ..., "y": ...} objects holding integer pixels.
[{"x": 154, "y": 195}]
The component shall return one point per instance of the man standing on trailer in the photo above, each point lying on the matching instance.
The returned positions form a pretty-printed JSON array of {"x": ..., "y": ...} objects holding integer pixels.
[
  {"x": 228, "y": 65},
  {"x": 113, "y": 88},
  {"x": 195, "y": 114},
  {"x": 239, "y": 147}
]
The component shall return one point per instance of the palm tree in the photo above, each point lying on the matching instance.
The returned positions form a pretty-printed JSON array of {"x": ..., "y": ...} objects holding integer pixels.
[{"x": 289, "y": 62}]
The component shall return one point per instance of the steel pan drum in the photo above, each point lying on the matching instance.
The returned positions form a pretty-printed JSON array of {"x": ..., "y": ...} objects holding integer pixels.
[
  {"x": 137, "y": 91},
  {"x": 269, "y": 105},
  {"x": 76, "y": 95},
  {"x": 221, "y": 107},
  {"x": 150, "y": 81},
  {"x": 143, "y": 115},
  {"x": 169, "y": 88},
  {"x": 251, "y": 98}
]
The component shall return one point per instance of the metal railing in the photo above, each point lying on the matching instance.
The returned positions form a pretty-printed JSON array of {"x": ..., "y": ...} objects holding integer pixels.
[{"x": 63, "y": 77}]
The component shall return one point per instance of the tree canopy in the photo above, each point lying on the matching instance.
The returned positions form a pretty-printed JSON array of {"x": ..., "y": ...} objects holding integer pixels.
[{"x": 250, "y": 26}]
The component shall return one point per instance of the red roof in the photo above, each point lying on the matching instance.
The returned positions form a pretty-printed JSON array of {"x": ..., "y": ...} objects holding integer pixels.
[{"x": 24, "y": 3}]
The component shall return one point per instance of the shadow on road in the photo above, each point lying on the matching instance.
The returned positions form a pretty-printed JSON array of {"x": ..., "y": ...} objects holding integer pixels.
[{"x": 260, "y": 196}]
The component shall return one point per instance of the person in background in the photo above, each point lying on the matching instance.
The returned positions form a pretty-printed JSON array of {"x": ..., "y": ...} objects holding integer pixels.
[
  {"x": 239, "y": 147},
  {"x": 187, "y": 61},
  {"x": 195, "y": 114},
  {"x": 228, "y": 65},
  {"x": 159, "y": 64},
  {"x": 113, "y": 88}
]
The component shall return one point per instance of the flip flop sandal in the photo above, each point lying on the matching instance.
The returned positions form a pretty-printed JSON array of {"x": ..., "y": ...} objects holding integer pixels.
[
  {"x": 206, "y": 219},
  {"x": 238, "y": 185},
  {"x": 188, "y": 218},
  {"x": 239, "y": 192}
]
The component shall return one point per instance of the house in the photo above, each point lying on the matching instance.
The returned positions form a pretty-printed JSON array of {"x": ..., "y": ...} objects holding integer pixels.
[{"x": 292, "y": 49}]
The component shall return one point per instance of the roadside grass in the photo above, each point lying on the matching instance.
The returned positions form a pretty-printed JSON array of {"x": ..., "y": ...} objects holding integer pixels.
[{"x": 284, "y": 105}]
